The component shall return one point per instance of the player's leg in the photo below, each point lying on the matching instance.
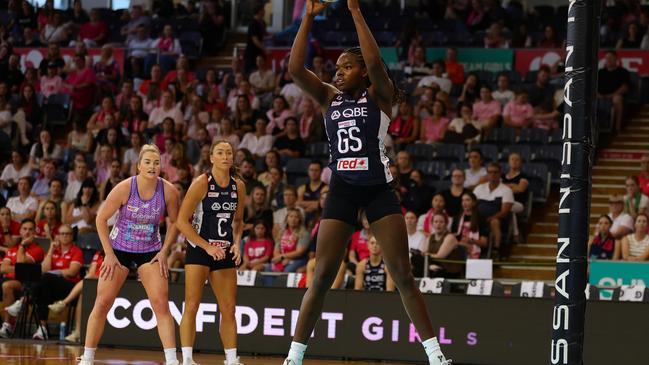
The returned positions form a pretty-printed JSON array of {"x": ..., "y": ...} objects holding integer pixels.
[
  {"x": 157, "y": 290},
  {"x": 195, "y": 276},
  {"x": 224, "y": 285},
  {"x": 389, "y": 227}
]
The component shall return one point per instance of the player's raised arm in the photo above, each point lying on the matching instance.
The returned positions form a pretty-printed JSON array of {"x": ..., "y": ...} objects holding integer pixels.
[
  {"x": 305, "y": 79},
  {"x": 383, "y": 87}
]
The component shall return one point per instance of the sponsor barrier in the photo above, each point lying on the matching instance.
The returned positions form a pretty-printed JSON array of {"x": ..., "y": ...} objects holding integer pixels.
[
  {"x": 617, "y": 273},
  {"x": 373, "y": 325}
]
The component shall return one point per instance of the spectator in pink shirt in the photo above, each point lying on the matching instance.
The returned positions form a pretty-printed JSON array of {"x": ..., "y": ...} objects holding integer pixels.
[
  {"x": 277, "y": 116},
  {"x": 487, "y": 110},
  {"x": 433, "y": 127},
  {"x": 82, "y": 83},
  {"x": 52, "y": 82},
  {"x": 518, "y": 113}
]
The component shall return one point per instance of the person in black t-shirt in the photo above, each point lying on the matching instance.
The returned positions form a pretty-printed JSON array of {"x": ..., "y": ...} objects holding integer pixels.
[
  {"x": 453, "y": 195},
  {"x": 541, "y": 94},
  {"x": 613, "y": 84},
  {"x": 291, "y": 144},
  {"x": 255, "y": 42}
]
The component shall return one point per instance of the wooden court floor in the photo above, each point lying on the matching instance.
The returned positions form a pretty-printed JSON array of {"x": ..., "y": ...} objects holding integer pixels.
[{"x": 21, "y": 352}]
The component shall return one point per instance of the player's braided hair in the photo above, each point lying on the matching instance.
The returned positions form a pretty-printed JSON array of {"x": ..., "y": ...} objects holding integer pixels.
[{"x": 398, "y": 95}]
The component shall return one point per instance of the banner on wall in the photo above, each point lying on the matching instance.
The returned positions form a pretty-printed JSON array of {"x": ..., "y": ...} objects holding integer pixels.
[
  {"x": 526, "y": 60},
  {"x": 616, "y": 273},
  {"x": 373, "y": 325},
  {"x": 33, "y": 56}
]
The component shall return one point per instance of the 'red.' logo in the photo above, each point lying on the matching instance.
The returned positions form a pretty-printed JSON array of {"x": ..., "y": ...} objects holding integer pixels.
[{"x": 353, "y": 164}]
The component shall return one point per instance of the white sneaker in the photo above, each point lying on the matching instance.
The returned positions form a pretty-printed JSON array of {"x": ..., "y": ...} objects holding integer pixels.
[
  {"x": 233, "y": 363},
  {"x": 6, "y": 330},
  {"x": 81, "y": 360},
  {"x": 290, "y": 362},
  {"x": 40, "y": 334},
  {"x": 74, "y": 336},
  {"x": 57, "y": 307},
  {"x": 14, "y": 309},
  {"x": 190, "y": 362},
  {"x": 175, "y": 362}
]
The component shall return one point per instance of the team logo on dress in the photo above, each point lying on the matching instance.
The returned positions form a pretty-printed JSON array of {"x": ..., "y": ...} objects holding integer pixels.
[
  {"x": 234, "y": 187},
  {"x": 224, "y": 206},
  {"x": 362, "y": 100},
  {"x": 223, "y": 215},
  {"x": 132, "y": 208},
  {"x": 213, "y": 195},
  {"x": 233, "y": 194},
  {"x": 353, "y": 164},
  {"x": 335, "y": 115},
  {"x": 212, "y": 187},
  {"x": 336, "y": 103}
]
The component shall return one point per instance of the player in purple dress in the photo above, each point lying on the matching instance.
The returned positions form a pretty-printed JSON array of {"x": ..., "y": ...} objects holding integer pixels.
[{"x": 135, "y": 242}]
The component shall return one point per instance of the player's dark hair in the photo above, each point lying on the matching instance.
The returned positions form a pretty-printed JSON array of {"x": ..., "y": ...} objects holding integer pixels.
[{"x": 397, "y": 94}]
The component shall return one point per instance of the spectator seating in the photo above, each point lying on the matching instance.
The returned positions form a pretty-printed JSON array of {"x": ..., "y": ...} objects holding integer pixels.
[
  {"x": 501, "y": 136},
  {"x": 489, "y": 152},
  {"x": 296, "y": 168},
  {"x": 56, "y": 109}
]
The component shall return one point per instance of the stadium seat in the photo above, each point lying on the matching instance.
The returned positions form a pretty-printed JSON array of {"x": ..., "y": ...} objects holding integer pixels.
[
  {"x": 43, "y": 243},
  {"x": 319, "y": 150},
  {"x": 432, "y": 168},
  {"x": 449, "y": 152},
  {"x": 88, "y": 240},
  {"x": 555, "y": 136},
  {"x": 523, "y": 150},
  {"x": 489, "y": 151},
  {"x": 550, "y": 156},
  {"x": 191, "y": 43},
  {"x": 533, "y": 136},
  {"x": 56, "y": 109},
  {"x": 420, "y": 151},
  {"x": 501, "y": 136},
  {"x": 539, "y": 178},
  {"x": 295, "y": 168}
]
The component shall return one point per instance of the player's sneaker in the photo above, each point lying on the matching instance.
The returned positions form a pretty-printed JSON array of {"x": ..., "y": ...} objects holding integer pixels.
[
  {"x": 191, "y": 362},
  {"x": 40, "y": 334},
  {"x": 57, "y": 307},
  {"x": 6, "y": 330},
  {"x": 232, "y": 363},
  {"x": 83, "y": 361},
  {"x": 14, "y": 309},
  {"x": 290, "y": 362},
  {"x": 74, "y": 336}
]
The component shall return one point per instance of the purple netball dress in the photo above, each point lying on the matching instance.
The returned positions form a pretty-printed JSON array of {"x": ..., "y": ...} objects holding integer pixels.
[{"x": 137, "y": 229}]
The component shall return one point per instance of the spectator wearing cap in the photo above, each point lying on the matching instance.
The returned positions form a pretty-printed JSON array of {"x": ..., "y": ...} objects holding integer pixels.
[
  {"x": 24, "y": 205},
  {"x": 612, "y": 85},
  {"x": 51, "y": 83},
  {"x": 495, "y": 201},
  {"x": 643, "y": 176},
  {"x": 622, "y": 222},
  {"x": 634, "y": 201}
]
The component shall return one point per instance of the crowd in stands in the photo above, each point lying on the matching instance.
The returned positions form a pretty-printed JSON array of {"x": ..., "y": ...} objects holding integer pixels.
[
  {"x": 461, "y": 145},
  {"x": 623, "y": 233}
]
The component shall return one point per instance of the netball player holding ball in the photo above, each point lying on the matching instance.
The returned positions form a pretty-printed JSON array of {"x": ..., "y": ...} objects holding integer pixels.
[
  {"x": 135, "y": 241},
  {"x": 358, "y": 108},
  {"x": 217, "y": 201}
]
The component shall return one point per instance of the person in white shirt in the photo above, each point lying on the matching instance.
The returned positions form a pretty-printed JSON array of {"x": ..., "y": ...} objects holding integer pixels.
[
  {"x": 14, "y": 171},
  {"x": 257, "y": 142},
  {"x": 167, "y": 109},
  {"x": 476, "y": 174},
  {"x": 75, "y": 180},
  {"x": 24, "y": 205},
  {"x": 492, "y": 194},
  {"x": 416, "y": 239},
  {"x": 437, "y": 78},
  {"x": 503, "y": 94},
  {"x": 263, "y": 81},
  {"x": 138, "y": 47},
  {"x": 622, "y": 222}
]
